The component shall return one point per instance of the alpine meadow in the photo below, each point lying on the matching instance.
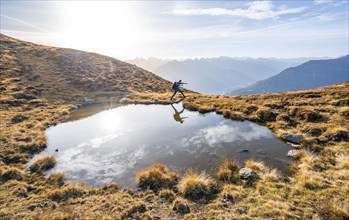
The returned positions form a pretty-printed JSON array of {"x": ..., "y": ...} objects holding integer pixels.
[{"x": 174, "y": 110}]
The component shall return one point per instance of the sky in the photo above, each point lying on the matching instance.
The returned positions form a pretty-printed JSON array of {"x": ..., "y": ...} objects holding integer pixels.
[{"x": 184, "y": 29}]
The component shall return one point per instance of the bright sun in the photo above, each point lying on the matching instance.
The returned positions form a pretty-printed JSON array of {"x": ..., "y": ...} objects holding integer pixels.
[{"x": 101, "y": 26}]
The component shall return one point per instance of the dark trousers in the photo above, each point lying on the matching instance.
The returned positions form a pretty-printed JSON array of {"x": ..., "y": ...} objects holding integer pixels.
[{"x": 175, "y": 91}]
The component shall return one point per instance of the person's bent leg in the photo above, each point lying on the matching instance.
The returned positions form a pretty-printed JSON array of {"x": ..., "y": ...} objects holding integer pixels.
[
  {"x": 174, "y": 93},
  {"x": 182, "y": 93}
]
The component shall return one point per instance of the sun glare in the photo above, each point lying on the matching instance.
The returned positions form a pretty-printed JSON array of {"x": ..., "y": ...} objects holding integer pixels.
[
  {"x": 111, "y": 121},
  {"x": 108, "y": 27}
]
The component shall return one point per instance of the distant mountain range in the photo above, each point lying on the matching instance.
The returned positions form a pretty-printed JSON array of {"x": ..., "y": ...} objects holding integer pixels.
[
  {"x": 150, "y": 64},
  {"x": 217, "y": 75},
  {"x": 312, "y": 74}
]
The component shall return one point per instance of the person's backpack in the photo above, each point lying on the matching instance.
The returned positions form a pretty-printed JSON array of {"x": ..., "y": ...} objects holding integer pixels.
[{"x": 174, "y": 85}]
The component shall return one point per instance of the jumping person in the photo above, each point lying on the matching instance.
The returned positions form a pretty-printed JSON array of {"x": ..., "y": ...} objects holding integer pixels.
[{"x": 175, "y": 88}]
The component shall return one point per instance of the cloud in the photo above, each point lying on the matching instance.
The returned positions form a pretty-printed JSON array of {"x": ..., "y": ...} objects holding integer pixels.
[
  {"x": 330, "y": 2},
  {"x": 257, "y": 10},
  {"x": 327, "y": 17},
  {"x": 225, "y": 133},
  {"x": 322, "y": 1}
]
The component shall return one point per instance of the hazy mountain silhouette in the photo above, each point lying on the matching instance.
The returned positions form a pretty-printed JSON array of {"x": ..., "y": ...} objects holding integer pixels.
[
  {"x": 312, "y": 74},
  {"x": 149, "y": 64},
  {"x": 217, "y": 75}
]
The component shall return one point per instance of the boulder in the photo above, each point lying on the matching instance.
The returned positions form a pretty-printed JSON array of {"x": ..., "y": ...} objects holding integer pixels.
[
  {"x": 72, "y": 107},
  {"x": 247, "y": 174},
  {"x": 123, "y": 100},
  {"x": 244, "y": 151},
  {"x": 295, "y": 146},
  {"x": 88, "y": 101},
  {"x": 294, "y": 138},
  {"x": 292, "y": 153}
]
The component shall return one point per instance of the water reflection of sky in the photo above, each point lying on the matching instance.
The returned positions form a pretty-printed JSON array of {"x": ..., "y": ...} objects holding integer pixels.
[
  {"x": 115, "y": 144},
  {"x": 225, "y": 132}
]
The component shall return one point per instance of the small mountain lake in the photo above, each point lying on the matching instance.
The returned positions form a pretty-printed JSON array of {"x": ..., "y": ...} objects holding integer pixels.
[{"x": 114, "y": 144}]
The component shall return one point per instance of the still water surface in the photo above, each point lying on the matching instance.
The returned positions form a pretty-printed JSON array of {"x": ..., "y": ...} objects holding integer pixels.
[{"x": 114, "y": 144}]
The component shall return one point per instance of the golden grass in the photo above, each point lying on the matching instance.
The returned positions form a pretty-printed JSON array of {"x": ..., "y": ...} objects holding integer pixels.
[
  {"x": 38, "y": 89},
  {"x": 156, "y": 177},
  {"x": 233, "y": 193},
  {"x": 57, "y": 179},
  {"x": 254, "y": 165},
  {"x": 43, "y": 164},
  {"x": 271, "y": 175},
  {"x": 67, "y": 192},
  {"x": 180, "y": 206},
  {"x": 228, "y": 171},
  {"x": 167, "y": 194},
  {"x": 10, "y": 173},
  {"x": 196, "y": 186},
  {"x": 342, "y": 161}
]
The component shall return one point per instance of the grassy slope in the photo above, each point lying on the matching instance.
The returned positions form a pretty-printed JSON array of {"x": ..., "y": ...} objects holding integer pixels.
[
  {"x": 317, "y": 189},
  {"x": 69, "y": 75}
]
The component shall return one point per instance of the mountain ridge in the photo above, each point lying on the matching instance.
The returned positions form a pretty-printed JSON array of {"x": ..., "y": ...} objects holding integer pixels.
[{"x": 311, "y": 74}]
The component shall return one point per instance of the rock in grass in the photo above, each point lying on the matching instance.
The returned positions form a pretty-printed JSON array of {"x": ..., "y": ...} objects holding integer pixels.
[
  {"x": 88, "y": 101},
  {"x": 247, "y": 174},
  {"x": 244, "y": 151},
  {"x": 295, "y": 146},
  {"x": 292, "y": 153},
  {"x": 73, "y": 107},
  {"x": 294, "y": 138}
]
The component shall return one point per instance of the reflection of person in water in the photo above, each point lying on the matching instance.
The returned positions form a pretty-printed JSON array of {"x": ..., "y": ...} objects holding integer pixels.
[{"x": 177, "y": 116}]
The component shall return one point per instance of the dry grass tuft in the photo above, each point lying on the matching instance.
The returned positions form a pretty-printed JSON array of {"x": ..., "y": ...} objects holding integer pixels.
[
  {"x": 271, "y": 175},
  {"x": 57, "y": 179},
  {"x": 228, "y": 171},
  {"x": 110, "y": 188},
  {"x": 11, "y": 173},
  {"x": 67, "y": 192},
  {"x": 342, "y": 161},
  {"x": 332, "y": 209},
  {"x": 180, "y": 206},
  {"x": 254, "y": 165},
  {"x": 156, "y": 177},
  {"x": 16, "y": 188},
  {"x": 197, "y": 186},
  {"x": 167, "y": 194},
  {"x": 266, "y": 115},
  {"x": 43, "y": 164},
  {"x": 133, "y": 210},
  {"x": 232, "y": 193}
]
